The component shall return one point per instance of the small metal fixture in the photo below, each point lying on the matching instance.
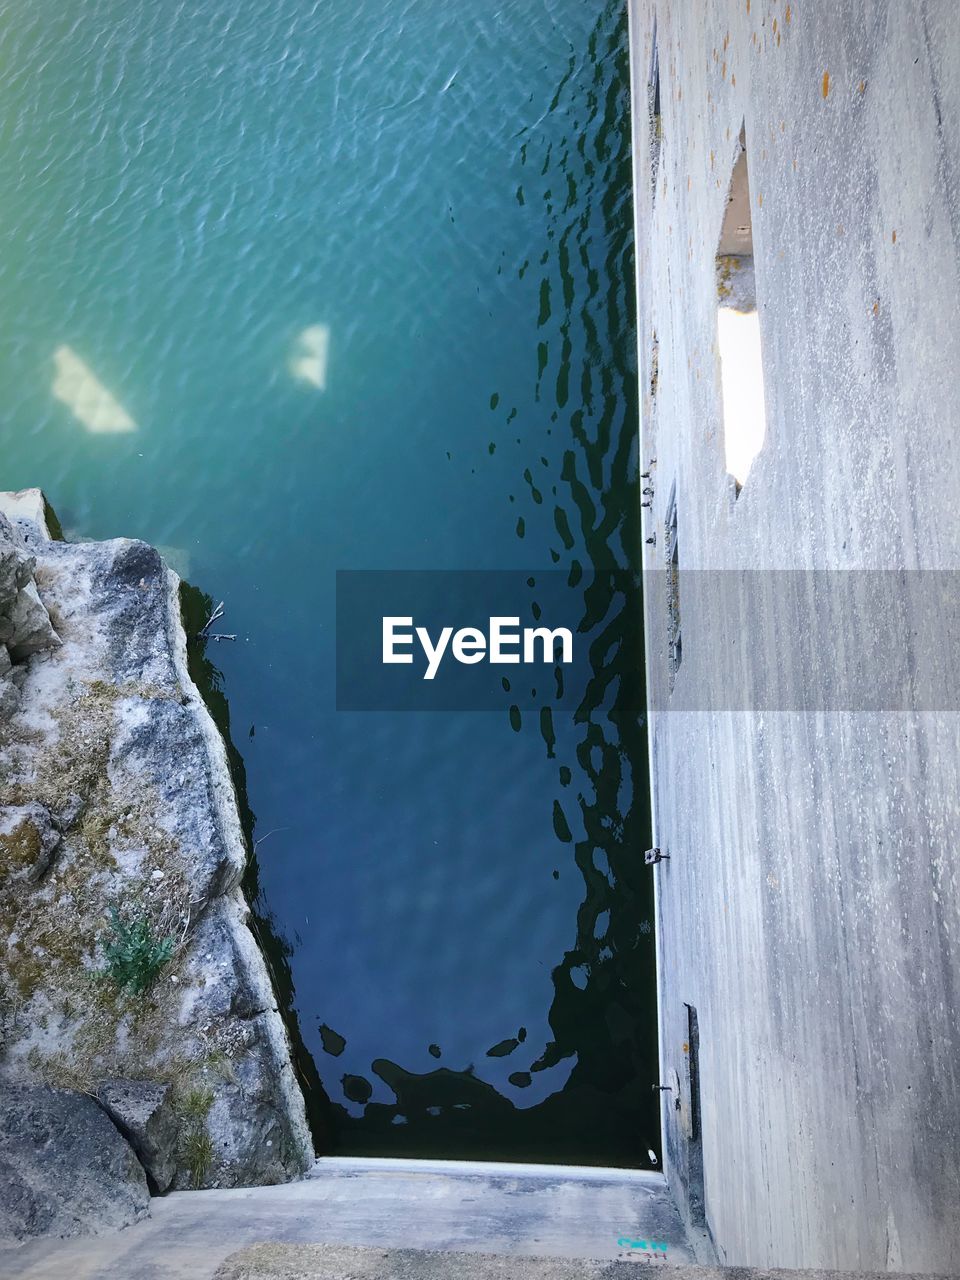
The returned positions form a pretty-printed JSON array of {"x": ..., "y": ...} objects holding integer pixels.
[
  {"x": 645, "y": 475},
  {"x": 652, "y": 856},
  {"x": 646, "y": 504},
  {"x": 651, "y": 541},
  {"x": 668, "y": 1088},
  {"x": 648, "y": 492}
]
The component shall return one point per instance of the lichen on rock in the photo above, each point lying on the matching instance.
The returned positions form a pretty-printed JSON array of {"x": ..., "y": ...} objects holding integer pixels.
[{"x": 121, "y": 852}]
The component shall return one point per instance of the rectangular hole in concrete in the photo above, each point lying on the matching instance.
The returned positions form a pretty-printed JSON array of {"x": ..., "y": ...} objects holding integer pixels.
[{"x": 738, "y": 329}]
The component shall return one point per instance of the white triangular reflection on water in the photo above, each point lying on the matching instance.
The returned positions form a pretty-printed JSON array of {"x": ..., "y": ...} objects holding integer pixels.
[
  {"x": 86, "y": 397},
  {"x": 308, "y": 363}
]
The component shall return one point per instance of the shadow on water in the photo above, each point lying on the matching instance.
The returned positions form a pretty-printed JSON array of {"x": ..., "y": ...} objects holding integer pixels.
[
  {"x": 195, "y": 608},
  {"x": 603, "y": 1013}
]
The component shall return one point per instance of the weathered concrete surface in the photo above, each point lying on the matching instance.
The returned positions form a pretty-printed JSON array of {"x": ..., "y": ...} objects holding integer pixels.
[
  {"x": 115, "y": 793},
  {"x": 339, "y": 1262},
  {"x": 514, "y": 1211},
  {"x": 64, "y": 1168},
  {"x": 810, "y": 909}
]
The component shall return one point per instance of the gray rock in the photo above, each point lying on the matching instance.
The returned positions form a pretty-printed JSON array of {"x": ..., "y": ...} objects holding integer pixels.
[
  {"x": 25, "y": 626},
  {"x": 9, "y": 699},
  {"x": 70, "y": 812},
  {"x": 143, "y": 1112},
  {"x": 18, "y": 676},
  {"x": 10, "y": 561},
  {"x": 15, "y": 564},
  {"x": 65, "y": 1170},
  {"x": 251, "y": 1123},
  {"x": 32, "y": 630},
  {"x": 28, "y": 841}
]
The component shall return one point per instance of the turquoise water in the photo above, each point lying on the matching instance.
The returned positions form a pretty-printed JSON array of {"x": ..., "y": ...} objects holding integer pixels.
[{"x": 296, "y": 288}]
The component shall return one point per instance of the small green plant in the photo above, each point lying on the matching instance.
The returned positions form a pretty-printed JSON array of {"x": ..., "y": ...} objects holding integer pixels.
[
  {"x": 134, "y": 956},
  {"x": 197, "y": 1103},
  {"x": 196, "y": 1147},
  {"x": 198, "y": 1153}
]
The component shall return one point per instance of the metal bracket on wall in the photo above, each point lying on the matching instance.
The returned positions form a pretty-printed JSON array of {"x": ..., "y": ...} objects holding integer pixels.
[
  {"x": 668, "y": 1088},
  {"x": 652, "y": 856}
]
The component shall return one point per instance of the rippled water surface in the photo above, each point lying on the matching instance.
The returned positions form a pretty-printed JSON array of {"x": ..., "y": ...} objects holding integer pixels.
[{"x": 296, "y": 287}]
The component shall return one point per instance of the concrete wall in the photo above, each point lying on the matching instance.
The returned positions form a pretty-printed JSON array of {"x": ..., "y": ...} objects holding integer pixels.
[{"x": 810, "y": 909}]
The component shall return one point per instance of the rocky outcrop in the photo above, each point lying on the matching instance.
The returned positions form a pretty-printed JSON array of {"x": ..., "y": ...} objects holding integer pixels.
[
  {"x": 143, "y": 1111},
  {"x": 64, "y": 1169},
  {"x": 25, "y": 626},
  {"x": 130, "y": 971}
]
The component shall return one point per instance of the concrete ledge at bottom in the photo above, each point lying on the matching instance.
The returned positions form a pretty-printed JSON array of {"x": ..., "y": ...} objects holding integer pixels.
[
  {"x": 342, "y": 1262},
  {"x": 345, "y": 1262}
]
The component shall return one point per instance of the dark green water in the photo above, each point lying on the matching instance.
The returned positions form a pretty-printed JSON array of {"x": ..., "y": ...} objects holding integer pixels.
[{"x": 358, "y": 279}]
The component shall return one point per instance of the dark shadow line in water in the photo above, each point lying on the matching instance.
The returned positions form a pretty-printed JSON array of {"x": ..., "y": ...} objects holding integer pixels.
[
  {"x": 603, "y": 1014},
  {"x": 195, "y": 608},
  {"x": 610, "y": 531}
]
